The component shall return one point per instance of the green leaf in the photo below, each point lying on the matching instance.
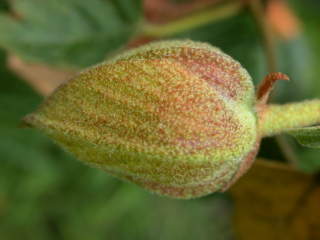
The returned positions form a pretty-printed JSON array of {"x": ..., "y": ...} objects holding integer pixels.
[
  {"x": 69, "y": 33},
  {"x": 308, "y": 13},
  {"x": 309, "y": 136},
  {"x": 294, "y": 59}
]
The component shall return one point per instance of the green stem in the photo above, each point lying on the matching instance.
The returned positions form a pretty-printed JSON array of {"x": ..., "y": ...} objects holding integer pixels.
[
  {"x": 210, "y": 15},
  {"x": 281, "y": 118}
]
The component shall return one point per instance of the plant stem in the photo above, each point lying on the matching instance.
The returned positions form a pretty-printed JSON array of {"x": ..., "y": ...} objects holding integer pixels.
[
  {"x": 287, "y": 150},
  {"x": 257, "y": 10},
  {"x": 210, "y": 15},
  {"x": 281, "y": 118}
]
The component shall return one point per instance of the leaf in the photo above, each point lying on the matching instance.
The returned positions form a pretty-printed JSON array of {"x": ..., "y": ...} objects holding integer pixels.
[
  {"x": 69, "y": 33},
  {"x": 3, "y": 5},
  {"x": 308, "y": 13},
  {"x": 308, "y": 136},
  {"x": 274, "y": 201},
  {"x": 295, "y": 59}
]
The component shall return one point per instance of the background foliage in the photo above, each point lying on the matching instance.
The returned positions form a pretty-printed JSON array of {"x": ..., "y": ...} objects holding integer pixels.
[{"x": 46, "y": 194}]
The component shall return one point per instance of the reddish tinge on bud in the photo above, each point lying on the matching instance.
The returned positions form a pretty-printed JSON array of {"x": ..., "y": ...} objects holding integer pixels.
[{"x": 175, "y": 117}]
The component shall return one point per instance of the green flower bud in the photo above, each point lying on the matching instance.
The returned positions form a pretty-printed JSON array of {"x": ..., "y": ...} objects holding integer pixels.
[{"x": 175, "y": 117}]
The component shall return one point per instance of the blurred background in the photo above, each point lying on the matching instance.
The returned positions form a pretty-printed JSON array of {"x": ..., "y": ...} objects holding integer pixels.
[{"x": 47, "y": 194}]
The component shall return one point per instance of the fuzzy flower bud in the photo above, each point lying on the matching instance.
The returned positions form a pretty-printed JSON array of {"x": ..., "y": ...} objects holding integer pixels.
[{"x": 175, "y": 117}]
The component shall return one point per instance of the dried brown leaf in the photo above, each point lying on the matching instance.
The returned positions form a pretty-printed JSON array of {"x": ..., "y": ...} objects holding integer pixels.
[{"x": 274, "y": 201}]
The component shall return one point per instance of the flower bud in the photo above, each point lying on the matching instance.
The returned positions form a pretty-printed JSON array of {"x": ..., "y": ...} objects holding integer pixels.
[{"x": 175, "y": 117}]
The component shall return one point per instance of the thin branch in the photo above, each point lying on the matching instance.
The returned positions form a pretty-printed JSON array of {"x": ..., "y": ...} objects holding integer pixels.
[{"x": 197, "y": 19}]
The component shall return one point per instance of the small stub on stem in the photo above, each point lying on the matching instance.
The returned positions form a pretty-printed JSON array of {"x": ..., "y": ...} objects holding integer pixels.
[{"x": 267, "y": 85}]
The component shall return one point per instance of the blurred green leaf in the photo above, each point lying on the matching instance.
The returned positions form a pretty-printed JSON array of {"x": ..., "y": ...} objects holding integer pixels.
[
  {"x": 294, "y": 59},
  {"x": 308, "y": 136},
  {"x": 3, "y": 5},
  {"x": 69, "y": 33},
  {"x": 308, "y": 13}
]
